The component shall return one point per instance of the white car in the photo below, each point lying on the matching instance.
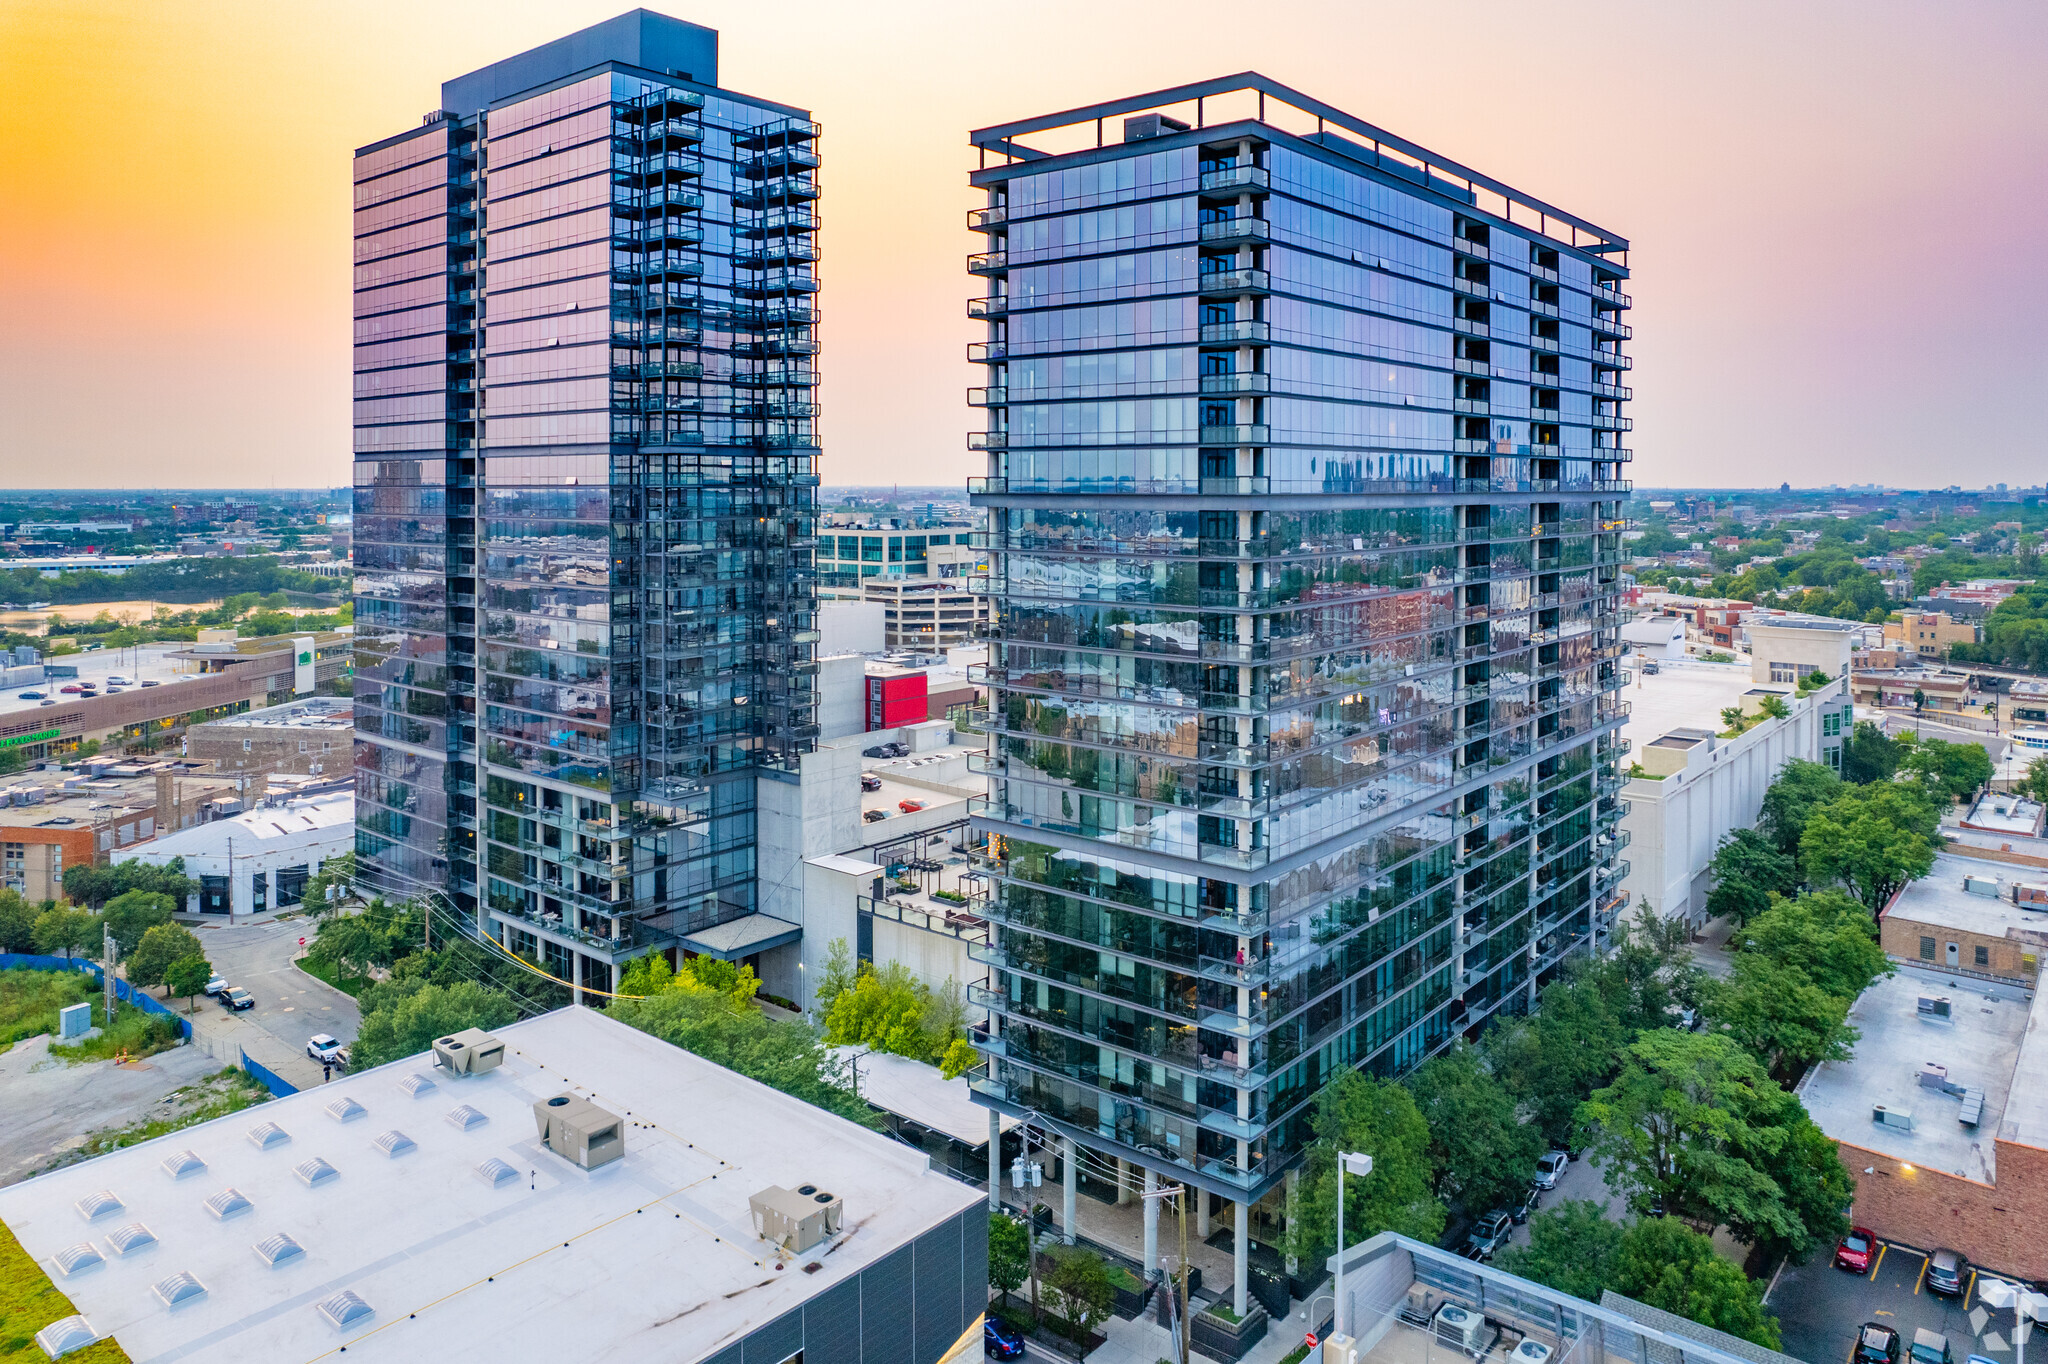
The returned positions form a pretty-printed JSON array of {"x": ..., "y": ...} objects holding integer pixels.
[
  {"x": 1548, "y": 1167},
  {"x": 321, "y": 1047},
  {"x": 116, "y": 680},
  {"x": 216, "y": 985}
]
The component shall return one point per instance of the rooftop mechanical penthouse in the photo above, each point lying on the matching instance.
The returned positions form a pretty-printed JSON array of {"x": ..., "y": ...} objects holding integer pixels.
[
  {"x": 586, "y": 458},
  {"x": 1304, "y": 484}
]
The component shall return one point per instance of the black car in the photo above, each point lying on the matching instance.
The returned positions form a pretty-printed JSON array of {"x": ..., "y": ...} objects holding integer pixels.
[
  {"x": 234, "y": 999},
  {"x": 1947, "y": 1273},
  {"x": 1001, "y": 1341},
  {"x": 1876, "y": 1344}
]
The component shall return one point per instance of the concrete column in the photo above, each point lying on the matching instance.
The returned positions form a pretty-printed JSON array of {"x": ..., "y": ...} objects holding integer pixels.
[
  {"x": 995, "y": 1160},
  {"x": 575, "y": 973},
  {"x": 1123, "y": 1181},
  {"x": 1202, "y": 1213},
  {"x": 1070, "y": 1179},
  {"x": 1241, "y": 1258},
  {"x": 1151, "y": 1226}
]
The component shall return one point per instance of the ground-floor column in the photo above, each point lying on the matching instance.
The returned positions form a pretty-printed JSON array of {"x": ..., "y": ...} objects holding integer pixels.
[
  {"x": 1202, "y": 1213},
  {"x": 1123, "y": 1181},
  {"x": 575, "y": 976},
  {"x": 1241, "y": 1258},
  {"x": 1151, "y": 1225},
  {"x": 995, "y": 1160},
  {"x": 1070, "y": 1179}
]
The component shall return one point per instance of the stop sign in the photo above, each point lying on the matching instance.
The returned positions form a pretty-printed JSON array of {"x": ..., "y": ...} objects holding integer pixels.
[{"x": 1309, "y": 1340}]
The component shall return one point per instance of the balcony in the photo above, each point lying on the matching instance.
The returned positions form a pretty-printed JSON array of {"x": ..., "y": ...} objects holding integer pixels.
[
  {"x": 1619, "y": 392},
  {"x": 986, "y": 219},
  {"x": 988, "y": 440},
  {"x": 1241, "y": 486},
  {"x": 988, "y": 263},
  {"x": 1611, "y": 359},
  {"x": 1234, "y": 283},
  {"x": 671, "y": 369},
  {"x": 1229, "y": 333},
  {"x": 1604, "y": 422},
  {"x": 981, "y": 485},
  {"x": 780, "y": 133},
  {"x": 1614, "y": 298},
  {"x": 777, "y": 192},
  {"x": 776, "y": 284},
  {"x": 1604, "y": 325},
  {"x": 667, "y": 264},
  {"x": 1237, "y": 179},
  {"x": 686, "y": 131},
  {"x": 1236, "y": 435},
  {"x": 784, "y": 253},
  {"x": 987, "y": 397},
  {"x": 987, "y": 352},
  {"x": 993, "y": 306},
  {"x": 1542, "y": 309},
  {"x": 1248, "y": 382},
  {"x": 1239, "y": 231},
  {"x": 781, "y": 161},
  {"x": 1468, "y": 327}
]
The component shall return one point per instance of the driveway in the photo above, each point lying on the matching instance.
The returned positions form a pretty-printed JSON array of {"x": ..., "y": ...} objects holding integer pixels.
[
  {"x": 1820, "y": 1307},
  {"x": 291, "y": 1006}
]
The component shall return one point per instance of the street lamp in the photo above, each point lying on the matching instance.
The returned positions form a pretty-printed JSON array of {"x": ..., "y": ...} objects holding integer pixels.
[
  {"x": 1348, "y": 1162},
  {"x": 2026, "y": 1307}
]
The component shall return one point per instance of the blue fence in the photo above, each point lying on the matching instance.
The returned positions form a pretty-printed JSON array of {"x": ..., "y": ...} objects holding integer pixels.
[
  {"x": 272, "y": 1081},
  {"x": 122, "y": 989}
]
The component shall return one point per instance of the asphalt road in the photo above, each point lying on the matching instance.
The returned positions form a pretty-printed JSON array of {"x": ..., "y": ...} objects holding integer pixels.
[
  {"x": 1820, "y": 1308},
  {"x": 291, "y": 1006},
  {"x": 1581, "y": 1181}
]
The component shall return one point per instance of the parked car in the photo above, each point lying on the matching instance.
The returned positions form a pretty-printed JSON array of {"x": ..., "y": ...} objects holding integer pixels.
[
  {"x": 30, "y": 696},
  {"x": 1532, "y": 1198},
  {"x": 872, "y": 815},
  {"x": 869, "y": 782},
  {"x": 1930, "y": 1347},
  {"x": 1549, "y": 1167},
  {"x": 216, "y": 985},
  {"x": 999, "y": 1340},
  {"x": 115, "y": 691},
  {"x": 71, "y": 689},
  {"x": 150, "y": 682},
  {"x": 116, "y": 680},
  {"x": 1876, "y": 1344},
  {"x": 1947, "y": 1273},
  {"x": 234, "y": 999},
  {"x": 1488, "y": 1236},
  {"x": 321, "y": 1047},
  {"x": 1853, "y": 1251},
  {"x": 909, "y": 806}
]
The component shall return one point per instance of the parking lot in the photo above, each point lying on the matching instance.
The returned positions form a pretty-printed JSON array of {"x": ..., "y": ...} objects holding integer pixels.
[{"x": 1820, "y": 1307}]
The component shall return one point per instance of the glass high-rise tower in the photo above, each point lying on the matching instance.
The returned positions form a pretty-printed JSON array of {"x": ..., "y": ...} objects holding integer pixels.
[
  {"x": 1304, "y": 486},
  {"x": 586, "y": 453}
]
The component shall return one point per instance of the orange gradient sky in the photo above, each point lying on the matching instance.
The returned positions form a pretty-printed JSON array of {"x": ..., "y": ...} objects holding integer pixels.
[{"x": 1839, "y": 210}]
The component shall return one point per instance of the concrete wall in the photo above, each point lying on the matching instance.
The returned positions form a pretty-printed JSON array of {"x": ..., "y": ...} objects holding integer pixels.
[
  {"x": 830, "y": 910},
  {"x": 850, "y": 627},
  {"x": 1827, "y": 650},
  {"x": 2014, "y": 958},
  {"x": 842, "y": 696},
  {"x": 815, "y": 814},
  {"x": 1676, "y": 824},
  {"x": 933, "y": 958}
]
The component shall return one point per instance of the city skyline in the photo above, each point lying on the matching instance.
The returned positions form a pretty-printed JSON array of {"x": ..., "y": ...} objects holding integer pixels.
[{"x": 1840, "y": 141}]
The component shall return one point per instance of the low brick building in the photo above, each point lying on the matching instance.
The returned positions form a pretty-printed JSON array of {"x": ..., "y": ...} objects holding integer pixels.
[
  {"x": 310, "y": 737},
  {"x": 1970, "y": 916},
  {"x": 51, "y": 820}
]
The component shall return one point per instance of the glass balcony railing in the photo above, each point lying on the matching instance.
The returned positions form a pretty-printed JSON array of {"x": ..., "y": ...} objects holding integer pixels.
[
  {"x": 1240, "y": 178},
  {"x": 987, "y": 219},
  {"x": 1231, "y": 333},
  {"x": 988, "y": 263},
  {"x": 1235, "y": 282},
  {"x": 1234, "y": 231}
]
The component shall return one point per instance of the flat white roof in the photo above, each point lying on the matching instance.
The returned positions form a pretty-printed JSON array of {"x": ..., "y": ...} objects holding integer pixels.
[
  {"x": 914, "y": 1090},
  {"x": 253, "y": 828},
  {"x": 1939, "y": 900},
  {"x": 650, "y": 1257}
]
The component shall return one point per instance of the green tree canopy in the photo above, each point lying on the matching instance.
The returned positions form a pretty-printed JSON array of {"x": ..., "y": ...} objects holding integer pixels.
[
  {"x": 1573, "y": 1247},
  {"x": 1748, "y": 871},
  {"x": 1667, "y": 1264},
  {"x": 186, "y": 977},
  {"x": 134, "y": 912},
  {"x": 1483, "y": 1154},
  {"x": 1871, "y": 839},
  {"x": 398, "y": 1024},
  {"x": 1009, "y": 1254},
  {"x": 162, "y": 946},
  {"x": 1777, "y": 1012},
  {"x": 1949, "y": 771},
  {"x": 1869, "y": 756},
  {"x": 783, "y": 1054},
  {"x": 1826, "y": 934},
  {"x": 17, "y": 922},
  {"x": 1551, "y": 1061},
  {"x": 93, "y": 886},
  {"x": 62, "y": 930},
  {"x": 1081, "y": 1290},
  {"x": 2035, "y": 784},
  {"x": 1356, "y": 1112},
  {"x": 1801, "y": 788}
]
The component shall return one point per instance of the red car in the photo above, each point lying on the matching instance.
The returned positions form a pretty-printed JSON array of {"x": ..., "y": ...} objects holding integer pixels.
[
  {"x": 909, "y": 806},
  {"x": 1855, "y": 1250}
]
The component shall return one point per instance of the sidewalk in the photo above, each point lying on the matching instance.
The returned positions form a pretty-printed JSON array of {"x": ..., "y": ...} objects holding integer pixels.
[{"x": 1143, "y": 1341}]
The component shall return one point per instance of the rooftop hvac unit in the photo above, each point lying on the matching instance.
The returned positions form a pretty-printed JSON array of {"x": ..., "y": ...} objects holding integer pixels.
[
  {"x": 1459, "y": 1326},
  {"x": 796, "y": 1219},
  {"x": 1891, "y": 1117},
  {"x": 1531, "y": 1352},
  {"x": 578, "y": 1130},
  {"x": 1981, "y": 885},
  {"x": 2030, "y": 895},
  {"x": 469, "y": 1052},
  {"x": 1934, "y": 1006}
]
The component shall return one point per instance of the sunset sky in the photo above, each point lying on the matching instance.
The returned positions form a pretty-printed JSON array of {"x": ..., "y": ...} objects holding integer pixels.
[{"x": 1839, "y": 210}]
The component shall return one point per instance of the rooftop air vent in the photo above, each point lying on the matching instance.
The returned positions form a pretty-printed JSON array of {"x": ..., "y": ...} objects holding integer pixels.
[
  {"x": 796, "y": 1219},
  {"x": 94, "y": 1206},
  {"x": 79, "y": 1258},
  {"x": 345, "y": 1110},
  {"x": 131, "y": 1239},
  {"x": 466, "y": 1118},
  {"x": 64, "y": 1336},
  {"x": 345, "y": 1310},
  {"x": 228, "y": 1203},
  {"x": 395, "y": 1143},
  {"x": 495, "y": 1172},
  {"x": 315, "y": 1172},
  {"x": 183, "y": 1163},
  {"x": 417, "y": 1085},
  {"x": 179, "y": 1289},
  {"x": 579, "y": 1130},
  {"x": 278, "y": 1250},
  {"x": 265, "y": 1135},
  {"x": 469, "y": 1052}
]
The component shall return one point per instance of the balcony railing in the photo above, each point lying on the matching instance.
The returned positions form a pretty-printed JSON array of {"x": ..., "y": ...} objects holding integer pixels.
[
  {"x": 987, "y": 397},
  {"x": 994, "y": 306},
  {"x": 987, "y": 219},
  {"x": 987, "y": 352},
  {"x": 1247, "y": 178},
  {"x": 988, "y": 263},
  {"x": 1236, "y": 435},
  {"x": 988, "y": 440},
  {"x": 1247, "y": 382},
  {"x": 1232, "y": 231},
  {"x": 1244, "y": 332},
  {"x": 1236, "y": 282}
]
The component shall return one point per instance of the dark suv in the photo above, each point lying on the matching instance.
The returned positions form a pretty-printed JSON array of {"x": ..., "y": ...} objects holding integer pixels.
[
  {"x": 234, "y": 999},
  {"x": 1876, "y": 1344}
]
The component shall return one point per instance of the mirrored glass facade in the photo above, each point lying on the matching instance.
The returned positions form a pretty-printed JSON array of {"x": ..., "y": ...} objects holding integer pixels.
[
  {"x": 1304, "y": 486},
  {"x": 586, "y": 442}
]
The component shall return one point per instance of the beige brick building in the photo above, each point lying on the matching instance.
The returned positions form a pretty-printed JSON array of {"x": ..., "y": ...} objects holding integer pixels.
[{"x": 1972, "y": 917}]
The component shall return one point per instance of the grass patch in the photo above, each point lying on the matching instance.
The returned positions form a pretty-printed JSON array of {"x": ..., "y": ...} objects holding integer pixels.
[
  {"x": 134, "y": 1034},
  {"x": 30, "y": 999},
  {"x": 326, "y": 971},
  {"x": 1295, "y": 1355},
  {"x": 29, "y": 1302},
  {"x": 1218, "y": 1309},
  {"x": 1124, "y": 1279}
]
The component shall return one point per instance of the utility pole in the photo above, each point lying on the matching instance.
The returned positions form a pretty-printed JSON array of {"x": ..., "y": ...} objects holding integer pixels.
[
  {"x": 107, "y": 972},
  {"x": 1178, "y": 1193}
]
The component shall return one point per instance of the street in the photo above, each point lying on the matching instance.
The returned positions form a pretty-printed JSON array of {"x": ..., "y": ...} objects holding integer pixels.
[
  {"x": 1582, "y": 1181},
  {"x": 291, "y": 1006}
]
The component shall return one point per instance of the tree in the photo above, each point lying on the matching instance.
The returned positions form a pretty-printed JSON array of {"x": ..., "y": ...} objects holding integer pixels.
[
  {"x": 838, "y": 976},
  {"x": 1784, "y": 1019},
  {"x": 959, "y": 1057},
  {"x": 1951, "y": 771},
  {"x": 1800, "y": 788},
  {"x": 17, "y": 922},
  {"x": 354, "y": 943},
  {"x": 1773, "y": 707},
  {"x": 1573, "y": 1248},
  {"x": 331, "y": 885},
  {"x": 1080, "y": 1287},
  {"x": 1668, "y": 1265},
  {"x": 648, "y": 975},
  {"x": 782, "y": 1054},
  {"x": 2034, "y": 786},
  {"x": 93, "y": 886},
  {"x": 1484, "y": 1156},
  {"x": 1550, "y": 1062},
  {"x": 186, "y": 977},
  {"x": 1748, "y": 871},
  {"x": 885, "y": 1010},
  {"x": 1871, "y": 840},
  {"x": 427, "y": 1012},
  {"x": 1356, "y": 1112},
  {"x": 62, "y": 930},
  {"x": 134, "y": 912},
  {"x": 1869, "y": 756},
  {"x": 162, "y": 946},
  {"x": 737, "y": 982},
  {"x": 1009, "y": 1254},
  {"x": 1826, "y": 935}
]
